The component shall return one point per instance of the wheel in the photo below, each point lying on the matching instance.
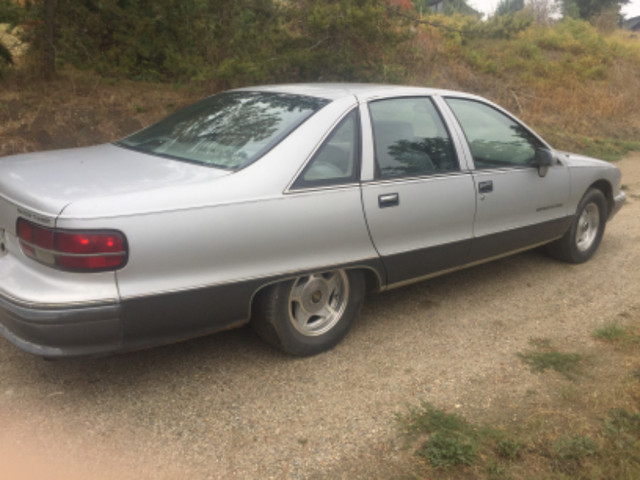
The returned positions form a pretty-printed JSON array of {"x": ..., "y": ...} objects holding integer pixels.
[
  {"x": 581, "y": 241},
  {"x": 311, "y": 313}
]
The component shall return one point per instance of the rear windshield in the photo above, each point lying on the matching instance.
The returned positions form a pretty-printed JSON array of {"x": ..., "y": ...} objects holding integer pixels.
[{"x": 229, "y": 130}]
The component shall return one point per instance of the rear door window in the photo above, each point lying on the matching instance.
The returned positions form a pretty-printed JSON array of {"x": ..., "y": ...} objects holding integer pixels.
[{"x": 410, "y": 138}]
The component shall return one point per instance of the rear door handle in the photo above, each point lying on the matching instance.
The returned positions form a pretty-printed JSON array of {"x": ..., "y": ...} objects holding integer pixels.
[
  {"x": 485, "y": 187},
  {"x": 388, "y": 200}
]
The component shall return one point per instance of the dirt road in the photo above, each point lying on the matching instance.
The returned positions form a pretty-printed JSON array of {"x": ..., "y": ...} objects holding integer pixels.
[{"x": 228, "y": 406}]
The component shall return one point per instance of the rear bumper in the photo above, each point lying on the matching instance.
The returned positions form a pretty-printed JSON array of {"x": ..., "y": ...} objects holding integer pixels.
[{"x": 62, "y": 332}]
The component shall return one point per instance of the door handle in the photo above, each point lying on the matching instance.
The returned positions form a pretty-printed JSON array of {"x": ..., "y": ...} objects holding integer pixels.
[
  {"x": 389, "y": 200},
  {"x": 485, "y": 187}
]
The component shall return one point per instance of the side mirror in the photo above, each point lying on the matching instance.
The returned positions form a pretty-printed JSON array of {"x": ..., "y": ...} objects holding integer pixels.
[{"x": 543, "y": 160}]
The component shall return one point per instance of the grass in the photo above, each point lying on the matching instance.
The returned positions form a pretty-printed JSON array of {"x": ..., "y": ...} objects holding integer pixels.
[
  {"x": 545, "y": 357},
  {"x": 590, "y": 433},
  {"x": 618, "y": 334}
]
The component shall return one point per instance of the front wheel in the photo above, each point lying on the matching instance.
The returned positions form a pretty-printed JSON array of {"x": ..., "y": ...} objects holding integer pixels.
[
  {"x": 581, "y": 241},
  {"x": 311, "y": 313}
]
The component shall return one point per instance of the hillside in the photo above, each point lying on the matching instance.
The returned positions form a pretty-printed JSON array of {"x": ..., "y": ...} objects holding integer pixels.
[{"x": 576, "y": 86}]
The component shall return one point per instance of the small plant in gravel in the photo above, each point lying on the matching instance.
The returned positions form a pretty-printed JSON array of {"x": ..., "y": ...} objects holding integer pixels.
[
  {"x": 544, "y": 357},
  {"x": 618, "y": 334},
  {"x": 448, "y": 442}
]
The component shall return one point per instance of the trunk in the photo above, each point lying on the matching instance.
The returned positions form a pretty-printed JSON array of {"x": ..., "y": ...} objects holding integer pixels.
[{"x": 47, "y": 182}]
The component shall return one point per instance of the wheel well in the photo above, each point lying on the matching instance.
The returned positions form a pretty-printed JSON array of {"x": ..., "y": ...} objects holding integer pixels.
[
  {"x": 607, "y": 191},
  {"x": 373, "y": 283}
]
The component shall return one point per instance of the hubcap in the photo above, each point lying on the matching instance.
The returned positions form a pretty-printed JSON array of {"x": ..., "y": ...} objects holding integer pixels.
[
  {"x": 588, "y": 225},
  {"x": 318, "y": 301}
]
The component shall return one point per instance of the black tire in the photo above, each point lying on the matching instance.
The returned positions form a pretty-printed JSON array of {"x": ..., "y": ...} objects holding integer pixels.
[
  {"x": 309, "y": 314},
  {"x": 581, "y": 241}
]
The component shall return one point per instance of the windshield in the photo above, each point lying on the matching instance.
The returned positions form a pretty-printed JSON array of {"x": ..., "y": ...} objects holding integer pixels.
[{"x": 229, "y": 130}]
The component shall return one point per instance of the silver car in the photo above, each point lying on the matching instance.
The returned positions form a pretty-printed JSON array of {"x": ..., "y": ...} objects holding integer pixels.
[{"x": 280, "y": 206}]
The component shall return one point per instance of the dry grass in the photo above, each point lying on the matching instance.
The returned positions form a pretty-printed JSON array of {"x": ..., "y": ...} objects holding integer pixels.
[
  {"x": 573, "y": 84},
  {"x": 590, "y": 430},
  {"x": 78, "y": 109}
]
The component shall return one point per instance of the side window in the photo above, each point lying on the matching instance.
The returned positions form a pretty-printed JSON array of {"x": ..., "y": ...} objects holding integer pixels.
[
  {"x": 410, "y": 138},
  {"x": 495, "y": 139},
  {"x": 335, "y": 162}
]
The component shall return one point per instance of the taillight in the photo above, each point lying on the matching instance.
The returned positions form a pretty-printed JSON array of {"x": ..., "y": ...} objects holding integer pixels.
[{"x": 75, "y": 250}]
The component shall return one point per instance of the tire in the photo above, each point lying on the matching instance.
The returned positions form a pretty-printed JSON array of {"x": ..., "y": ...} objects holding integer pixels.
[
  {"x": 309, "y": 314},
  {"x": 581, "y": 241}
]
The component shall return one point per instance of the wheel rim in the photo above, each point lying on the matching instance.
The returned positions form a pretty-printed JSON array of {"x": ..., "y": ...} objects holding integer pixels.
[
  {"x": 588, "y": 225},
  {"x": 318, "y": 301}
]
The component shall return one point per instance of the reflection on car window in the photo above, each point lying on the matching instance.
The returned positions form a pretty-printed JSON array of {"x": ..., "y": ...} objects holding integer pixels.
[
  {"x": 229, "y": 130},
  {"x": 336, "y": 160},
  {"x": 410, "y": 138},
  {"x": 495, "y": 139}
]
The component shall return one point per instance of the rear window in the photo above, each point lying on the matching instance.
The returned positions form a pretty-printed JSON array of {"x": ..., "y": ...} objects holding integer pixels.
[{"x": 229, "y": 130}]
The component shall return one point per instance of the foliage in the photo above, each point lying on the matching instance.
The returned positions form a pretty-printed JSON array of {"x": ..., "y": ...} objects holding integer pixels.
[
  {"x": 231, "y": 43},
  {"x": 509, "y": 6},
  {"x": 589, "y": 9},
  {"x": 12, "y": 14},
  {"x": 448, "y": 7}
]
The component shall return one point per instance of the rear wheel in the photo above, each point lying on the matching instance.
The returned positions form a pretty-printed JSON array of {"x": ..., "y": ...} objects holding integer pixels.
[
  {"x": 311, "y": 313},
  {"x": 581, "y": 241}
]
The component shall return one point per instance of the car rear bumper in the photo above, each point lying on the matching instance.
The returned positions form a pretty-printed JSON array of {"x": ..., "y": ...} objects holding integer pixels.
[{"x": 62, "y": 332}]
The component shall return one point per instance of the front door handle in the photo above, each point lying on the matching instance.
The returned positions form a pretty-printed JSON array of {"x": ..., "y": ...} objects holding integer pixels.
[
  {"x": 388, "y": 200},
  {"x": 485, "y": 187}
]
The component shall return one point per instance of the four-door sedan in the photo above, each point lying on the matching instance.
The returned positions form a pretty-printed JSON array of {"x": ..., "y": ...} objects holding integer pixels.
[{"x": 280, "y": 206}]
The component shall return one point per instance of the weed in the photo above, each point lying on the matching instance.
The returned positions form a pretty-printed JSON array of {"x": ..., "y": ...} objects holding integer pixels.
[
  {"x": 618, "y": 334},
  {"x": 546, "y": 357},
  {"x": 574, "y": 447},
  {"x": 446, "y": 448},
  {"x": 508, "y": 449}
]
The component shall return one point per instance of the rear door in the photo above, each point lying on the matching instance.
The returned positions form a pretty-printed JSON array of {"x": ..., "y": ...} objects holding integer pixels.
[{"x": 420, "y": 203}]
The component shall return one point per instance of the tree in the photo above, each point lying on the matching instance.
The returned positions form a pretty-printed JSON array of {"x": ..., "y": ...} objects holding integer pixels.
[
  {"x": 589, "y": 9},
  {"x": 5, "y": 54},
  {"x": 509, "y": 6},
  {"x": 48, "y": 40},
  {"x": 543, "y": 10}
]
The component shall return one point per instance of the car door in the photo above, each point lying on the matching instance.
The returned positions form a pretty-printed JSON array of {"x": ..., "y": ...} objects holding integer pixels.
[
  {"x": 516, "y": 206},
  {"x": 419, "y": 203}
]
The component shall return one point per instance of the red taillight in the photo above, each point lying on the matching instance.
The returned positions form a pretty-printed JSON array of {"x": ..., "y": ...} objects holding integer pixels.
[{"x": 87, "y": 251}]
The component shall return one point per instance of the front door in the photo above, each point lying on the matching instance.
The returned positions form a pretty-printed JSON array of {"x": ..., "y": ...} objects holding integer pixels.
[{"x": 516, "y": 207}]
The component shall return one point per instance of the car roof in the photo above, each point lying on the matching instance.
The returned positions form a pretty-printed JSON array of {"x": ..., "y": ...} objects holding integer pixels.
[{"x": 363, "y": 91}]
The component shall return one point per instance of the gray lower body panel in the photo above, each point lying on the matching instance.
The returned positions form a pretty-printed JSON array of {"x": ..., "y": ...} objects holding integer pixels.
[
  {"x": 136, "y": 323},
  {"x": 57, "y": 332}
]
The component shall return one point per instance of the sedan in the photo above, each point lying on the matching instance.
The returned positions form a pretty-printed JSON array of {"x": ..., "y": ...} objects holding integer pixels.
[{"x": 280, "y": 206}]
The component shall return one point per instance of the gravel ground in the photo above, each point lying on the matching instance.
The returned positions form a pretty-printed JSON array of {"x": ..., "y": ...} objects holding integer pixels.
[{"x": 227, "y": 406}]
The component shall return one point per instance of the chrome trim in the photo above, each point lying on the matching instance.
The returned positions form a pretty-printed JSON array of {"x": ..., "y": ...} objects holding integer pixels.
[
  {"x": 340, "y": 186},
  {"x": 57, "y": 306},
  {"x": 434, "y": 176}
]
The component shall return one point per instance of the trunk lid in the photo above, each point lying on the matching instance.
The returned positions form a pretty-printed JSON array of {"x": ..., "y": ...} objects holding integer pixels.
[{"x": 40, "y": 185}]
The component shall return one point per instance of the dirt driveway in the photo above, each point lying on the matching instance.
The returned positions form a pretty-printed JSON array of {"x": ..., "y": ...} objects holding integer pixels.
[{"x": 228, "y": 406}]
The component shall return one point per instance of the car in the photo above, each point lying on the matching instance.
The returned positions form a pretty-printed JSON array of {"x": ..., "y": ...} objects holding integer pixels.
[{"x": 280, "y": 206}]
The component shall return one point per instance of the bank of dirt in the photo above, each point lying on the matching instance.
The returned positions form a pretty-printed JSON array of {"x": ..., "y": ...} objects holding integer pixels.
[{"x": 228, "y": 406}]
